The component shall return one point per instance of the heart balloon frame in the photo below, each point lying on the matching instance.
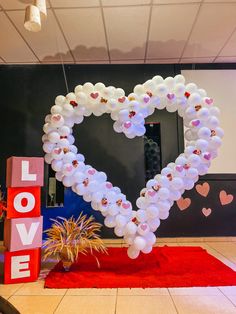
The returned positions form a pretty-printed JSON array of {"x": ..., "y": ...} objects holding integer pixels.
[{"x": 203, "y": 137}]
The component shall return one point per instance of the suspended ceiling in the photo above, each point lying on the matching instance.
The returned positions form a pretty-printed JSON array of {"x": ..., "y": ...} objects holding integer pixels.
[{"x": 121, "y": 31}]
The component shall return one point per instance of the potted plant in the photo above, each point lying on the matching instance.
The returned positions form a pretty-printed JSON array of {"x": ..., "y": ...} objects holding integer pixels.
[{"x": 67, "y": 238}]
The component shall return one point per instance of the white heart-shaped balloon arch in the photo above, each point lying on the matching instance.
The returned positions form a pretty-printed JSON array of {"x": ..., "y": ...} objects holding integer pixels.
[{"x": 203, "y": 136}]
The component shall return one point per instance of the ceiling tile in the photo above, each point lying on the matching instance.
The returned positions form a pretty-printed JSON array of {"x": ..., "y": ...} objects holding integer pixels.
[
  {"x": 141, "y": 61},
  {"x": 48, "y": 44},
  {"x": 170, "y": 28},
  {"x": 222, "y": 1},
  {"x": 127, "y": 31},
  {"x": 93, "y": 62},
  {"x": 84, "y": 31},
  {"x": 124, "y": 2},
  {"x": 15, "y": 49},
  {"x": 162, "y": 61},
  {"x": 214, "y": 25},
  {"x": 230, "y": 47},
  {"x": 197, "y": 60},
  {"x": 175, "y": 1},
  {"x": 56, "y": 62},
  {"x": 74, "y": 3},
  {"x": 16, "y": 4},
  {"x": 225, "y": 60}
]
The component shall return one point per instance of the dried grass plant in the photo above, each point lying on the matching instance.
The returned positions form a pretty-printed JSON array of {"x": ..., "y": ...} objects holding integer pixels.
[{"x": 67, "y": 238}]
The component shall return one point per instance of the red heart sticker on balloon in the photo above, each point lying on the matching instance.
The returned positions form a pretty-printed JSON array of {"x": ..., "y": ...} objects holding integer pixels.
[
  {"x": 91, "y": 171},
  {"x": 56, "y": 117},
  {"x": 179, "y": 168},
  {"x": 209, "y": 101},
  {"x": 126, "y": 205},
  {"x": 94, "y": 95},
  {"x": 122, "y": 99},
  {"x": 170, "y": 96},
  {"x": 151, "y": 193},
  {"x": 143, "y": 227},
  {"x": 109, "y": 185},
  {"x": 57, "y": 151}
]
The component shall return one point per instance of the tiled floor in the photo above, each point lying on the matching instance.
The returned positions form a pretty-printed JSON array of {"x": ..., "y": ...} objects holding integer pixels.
[{"x": 34, "y": 299}]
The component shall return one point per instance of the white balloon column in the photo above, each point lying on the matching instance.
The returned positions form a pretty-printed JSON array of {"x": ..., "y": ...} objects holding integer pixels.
[{"x": 203, "y": 136}]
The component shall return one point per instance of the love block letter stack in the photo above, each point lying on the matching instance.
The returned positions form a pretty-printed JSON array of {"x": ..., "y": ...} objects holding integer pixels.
[{"x": 23, "y": 223}]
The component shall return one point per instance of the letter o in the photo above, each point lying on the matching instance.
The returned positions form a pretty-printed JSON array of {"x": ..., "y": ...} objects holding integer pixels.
[{"x": 18, "y": 202}]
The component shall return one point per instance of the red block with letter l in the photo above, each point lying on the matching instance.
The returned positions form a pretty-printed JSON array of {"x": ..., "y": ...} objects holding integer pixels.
[
  {"x": 22, "y": 266},
  {"x": 23, "y": 202}
]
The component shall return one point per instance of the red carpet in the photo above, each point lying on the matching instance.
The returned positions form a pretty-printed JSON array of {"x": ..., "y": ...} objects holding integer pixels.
[{"x": 164, "y": 267}]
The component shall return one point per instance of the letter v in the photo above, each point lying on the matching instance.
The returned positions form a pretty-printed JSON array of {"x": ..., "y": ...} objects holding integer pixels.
[{"x": 27, "y": 237}]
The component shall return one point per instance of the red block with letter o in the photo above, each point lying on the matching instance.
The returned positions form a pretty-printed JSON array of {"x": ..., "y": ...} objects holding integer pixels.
[
  {"x": 22, "y": 266},
  {"x": 23, "y": 202}
]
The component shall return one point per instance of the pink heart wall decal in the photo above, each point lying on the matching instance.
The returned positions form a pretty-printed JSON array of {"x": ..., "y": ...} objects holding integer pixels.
[
  {"x": 206, "y": 211},
  {"x": 203, "y": 189},
  {"x": 183, "y": 203},
  {"x": 225, "y": 198}
]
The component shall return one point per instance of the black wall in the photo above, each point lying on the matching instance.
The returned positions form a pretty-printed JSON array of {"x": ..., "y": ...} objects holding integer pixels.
[{"x": 27, "y": 94}]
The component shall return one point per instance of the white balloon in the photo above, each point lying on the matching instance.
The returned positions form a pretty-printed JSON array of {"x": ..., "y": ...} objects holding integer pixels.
[
  {"x": 154, "y": 224},
  {"x": 48, "y": 147},
  {"x": 48, "y": 158},
  {"x": 163, "y": 215},
  {"x": 119, "y": 231},
  {"x": 179, "y": 79},
  {"x": 204, "y": 133},
  {"x": 132, "y": 252},
  {"x": 152, "y": 212},
  {"x": 131, "y": 228},
  {"x": 141, "y": 202},
  {"x": 67, "y": 181},
  {"x": 88, "y": 87},
  {"x": 57, "y": 165},
  {"x": 150, "y": 238},
  {"x": 177, "y": 183},
  {"x": 202, "y": 144},
  {"x": 147, "y": 249},
  {"x": 141, "y": 215},
  {"x": 121, "y": 221},
  {"x": 139, "y": 243},
  {"x": 110, "y": 221},
  {"x": 163, "y": 193}
]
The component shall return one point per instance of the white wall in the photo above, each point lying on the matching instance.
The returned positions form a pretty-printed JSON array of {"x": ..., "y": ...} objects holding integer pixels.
[{"x": 221, "y": 86}]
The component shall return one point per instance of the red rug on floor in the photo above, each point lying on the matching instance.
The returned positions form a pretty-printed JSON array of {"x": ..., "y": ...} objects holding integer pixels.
[{"x": 164, "y": 267}]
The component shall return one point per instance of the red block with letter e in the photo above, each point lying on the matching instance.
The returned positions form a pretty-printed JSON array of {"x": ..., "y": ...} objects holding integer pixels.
[
  {"x": 22, "y": 266},
  {"x": 23, "y": 226}
]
